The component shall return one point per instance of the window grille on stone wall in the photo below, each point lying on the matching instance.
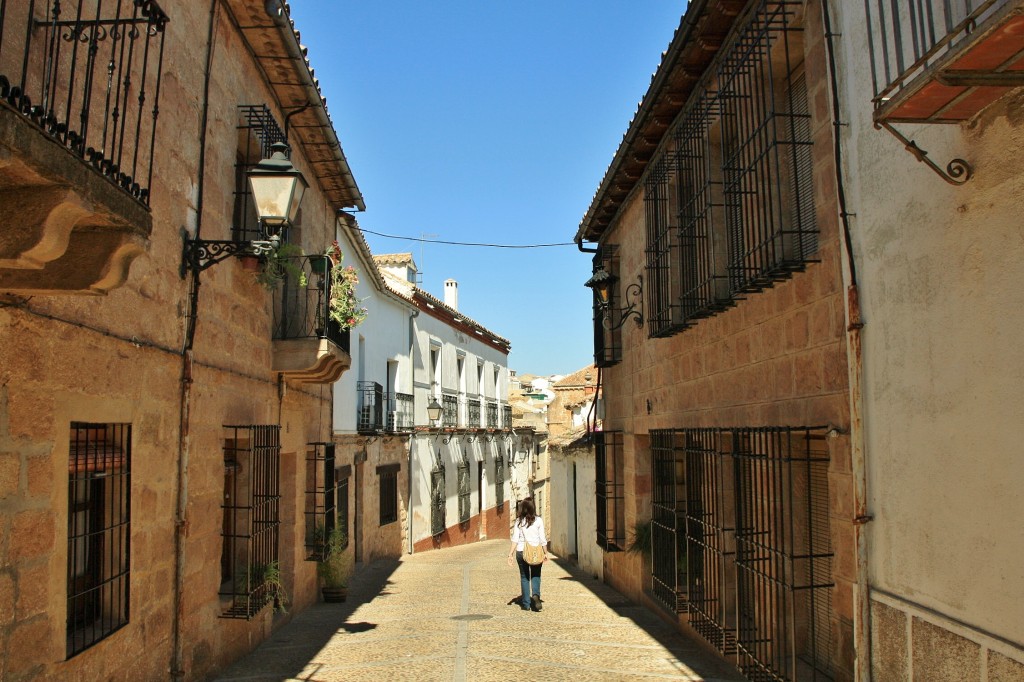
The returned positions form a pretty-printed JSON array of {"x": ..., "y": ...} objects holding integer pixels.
[
  {"x": 492, "y": 415},
  {"x": 610, "y": 484},
  {"x": 99, "y": 533},
  {"x": 473, "y": 413},
  {"x": 607, "y": 337},
  {"x": 668, "y": 532},
  {"x": 506, "y": 416},
  {"x": 729, "y": 199},
  {"x": 321, "y": 514},
  {"x": 766, "y": 149},
  {"x": 499, "y": 480},
  {"x": 251, "y": 519},
  {"x": 450, "y": 415},
  {"x": 758, "y": 552},
  {"x": 342, "y": 475},
  {"x": 388, "y": 474}
]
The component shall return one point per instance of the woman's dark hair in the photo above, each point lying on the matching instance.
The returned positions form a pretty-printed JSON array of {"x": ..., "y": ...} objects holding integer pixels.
[{"x": 527, "y": 512}]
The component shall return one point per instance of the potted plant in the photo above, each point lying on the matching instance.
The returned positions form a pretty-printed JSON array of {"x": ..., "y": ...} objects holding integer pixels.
[
  {"x": 335, "y": 567},
  {"x": 343, "y": 305},
  {"x": 266, "y": 578},
  {"x": 280, "y": 263}
]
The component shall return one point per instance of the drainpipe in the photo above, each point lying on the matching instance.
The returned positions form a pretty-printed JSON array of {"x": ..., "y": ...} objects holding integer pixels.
[
  {"x": 412, "y": 439},
  {"x": 855, "y": 368},
  {"x": 177, "y": 671}
]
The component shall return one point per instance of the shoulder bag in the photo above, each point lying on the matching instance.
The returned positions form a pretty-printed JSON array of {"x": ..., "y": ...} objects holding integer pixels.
[{"x": 532, "y": 554}]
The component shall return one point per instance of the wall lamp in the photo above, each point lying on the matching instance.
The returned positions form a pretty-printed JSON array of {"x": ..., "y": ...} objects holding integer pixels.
[
  {"x": 434, "y": 410},
  {"x": 602, "y": 282},
  {"x": 277, "y": 190}
]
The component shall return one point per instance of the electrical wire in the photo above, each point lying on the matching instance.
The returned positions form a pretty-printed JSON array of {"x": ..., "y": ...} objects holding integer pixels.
[{"x": 441, "y": 241}]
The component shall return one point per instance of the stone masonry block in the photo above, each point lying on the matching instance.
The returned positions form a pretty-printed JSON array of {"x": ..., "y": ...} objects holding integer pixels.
[
  {"x": 1004, "y": 669},
  {"x": 30, "y": 646},
  {"x": 10, "y": 474},
  {"x": 888, "y": 643},
  {"x": 40, "y": 477},
  {"x": 32, "y": 534},
  {"x": 942, "y": 656},
  {"x": 797, "y": 330},
  {"x": 6, "y": 598},
  {"x": 33, "y": 585}
]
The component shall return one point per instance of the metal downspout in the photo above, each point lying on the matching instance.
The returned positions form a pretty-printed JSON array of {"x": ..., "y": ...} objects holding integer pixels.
[
  {"x": 855, "y": 369},
  {"x": 176, "y": 670}
]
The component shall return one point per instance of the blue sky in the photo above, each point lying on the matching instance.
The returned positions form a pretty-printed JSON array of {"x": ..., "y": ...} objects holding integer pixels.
[{"x": 488, "y": 121}]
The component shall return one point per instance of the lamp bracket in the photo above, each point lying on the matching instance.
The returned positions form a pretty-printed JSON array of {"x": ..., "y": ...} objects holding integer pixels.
[
  {"x": 199, "y": 254},
  {"x": 633, "y": 298}
]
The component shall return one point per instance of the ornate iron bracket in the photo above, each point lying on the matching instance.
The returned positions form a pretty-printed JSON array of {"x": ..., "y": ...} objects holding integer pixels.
[
  {"x": 633, "y": 298},
  {"x": 957, "y": 171},
  {"x": 200, "y": 254}
]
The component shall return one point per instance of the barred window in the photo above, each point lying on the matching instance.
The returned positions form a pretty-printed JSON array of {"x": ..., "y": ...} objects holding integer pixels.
[
  {"x": 462, "y": 472},
  {"x": 320, "y": 502},
  {"x": 99, "y": 532},
  {"x": 757, "y": 563},
  {"x": 607, "y": 336},
  {"x": 664, "y": 315},
  {"x": 438, "y": 497},
  {"x": 668, "y": 506},
  {"x": 388, "y": 474},
  {"x": 766, "y": 146},
  {"x": 499, "y": 481},
  {"x": 250, "y": 570},
  {"x": 611, "y": 509},
  {"x": 450, "y": 416}
]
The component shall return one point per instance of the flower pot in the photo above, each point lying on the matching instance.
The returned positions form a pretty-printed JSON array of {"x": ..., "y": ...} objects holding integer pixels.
[
  {"x": 334, "y": 595},
  {"x": 319, "y": 264}
]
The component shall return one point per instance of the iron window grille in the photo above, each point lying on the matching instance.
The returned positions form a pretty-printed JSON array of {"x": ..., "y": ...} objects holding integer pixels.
[
  {"x": 704, "y": 287},
  {"x": 473, "y": 414},
  {"x": 371, "y": 407},
  {"x": 342, "y": 475},
  {"x": 492, "y": 415},
  {"x": 668, "y": 533},
  {"x": 450, "y": 414},
  {"x": 610, "y": 485},
  {"x": 758, "y": 562},
  {"x": 438, "y": 497},
  {"x": 257, "y": 131},
  {"x": 89, "y": 77},
  {"x": 251, "y": 519},
  {"x": 766, "y": 148},
  {"x": 664, "y": 315},
  {"x": 462, "y": 476},
  {"x": 321, "y": 500},
  {"x": 401, "y": 416},
  {"x": 388, "y": 475},
  {"x": 607, "y": 331},
  {"x": 99, "y": 533},
  {"x": 302, "y": 308},
  {"x": 499, "y": 481},
  {"x": 506, "y": 416}
]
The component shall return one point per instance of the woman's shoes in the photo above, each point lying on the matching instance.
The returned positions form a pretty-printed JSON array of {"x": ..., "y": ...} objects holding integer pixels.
[{"x": 535, "y": 602}]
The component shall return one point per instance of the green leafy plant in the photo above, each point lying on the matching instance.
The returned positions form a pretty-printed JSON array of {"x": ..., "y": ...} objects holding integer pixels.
[
  {"x": 280, "y": 263},
  {"x": 335, "y": 567},
  {"x": 640, "y": 543},
  {"x": 344, "y": 306},
  {"x": 265, "y": 578}
]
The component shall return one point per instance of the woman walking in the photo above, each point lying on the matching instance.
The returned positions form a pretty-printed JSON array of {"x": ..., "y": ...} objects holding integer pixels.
[{"x": 528, "y": 528}]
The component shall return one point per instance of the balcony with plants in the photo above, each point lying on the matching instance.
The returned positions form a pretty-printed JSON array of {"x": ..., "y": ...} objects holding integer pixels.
[
  {"x": 79, "y": 85},
  {"x": 315, "y": 308}
]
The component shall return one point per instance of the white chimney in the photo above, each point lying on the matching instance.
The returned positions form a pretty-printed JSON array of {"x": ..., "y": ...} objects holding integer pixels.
[{"x": 451, "y": 294}]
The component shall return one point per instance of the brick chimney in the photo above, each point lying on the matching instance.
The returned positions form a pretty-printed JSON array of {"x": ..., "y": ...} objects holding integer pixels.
[{"x": 451, "y": 294}]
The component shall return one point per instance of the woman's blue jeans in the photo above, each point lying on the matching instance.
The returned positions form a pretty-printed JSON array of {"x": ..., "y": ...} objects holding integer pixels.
[{"x": 529, "y": 579}]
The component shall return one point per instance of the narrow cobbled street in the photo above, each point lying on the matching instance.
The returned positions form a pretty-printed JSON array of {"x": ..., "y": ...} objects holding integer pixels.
[{"x": 444, "y": 615}]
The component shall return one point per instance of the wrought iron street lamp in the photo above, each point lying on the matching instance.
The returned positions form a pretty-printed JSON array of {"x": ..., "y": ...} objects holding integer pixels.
[
  {"x": 602, "y": 282},
  {"x": 434, "y": 410},
  {"x": 277, "y": 190}
]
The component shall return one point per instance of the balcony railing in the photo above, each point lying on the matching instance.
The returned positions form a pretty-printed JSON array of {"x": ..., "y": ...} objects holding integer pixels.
[
  {"x": 450, "y": 416},
  {"x": 301, "y": 307},
  {"x": 88, "y": 74},
  {"x": 370, "y": 415},
  {"x": 506, "y": 416},
  {"x": 942, "y": 61},
  {"x": 492, "y": 415},
  {"x": 401, "y": 414},
  {"x": 473, "y": 414}
]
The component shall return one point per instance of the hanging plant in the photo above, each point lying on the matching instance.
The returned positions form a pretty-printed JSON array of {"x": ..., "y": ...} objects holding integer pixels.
[
  {"x": 280, "y": 263},
  {"x": 345, "y": 308}
]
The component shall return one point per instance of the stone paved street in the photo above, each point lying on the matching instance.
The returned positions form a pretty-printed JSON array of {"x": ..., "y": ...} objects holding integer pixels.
[{"x": 443, "y": 615}]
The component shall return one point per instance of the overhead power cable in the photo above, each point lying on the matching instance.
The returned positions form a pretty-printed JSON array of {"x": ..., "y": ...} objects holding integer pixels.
[{"x": 442, "y": 241}]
